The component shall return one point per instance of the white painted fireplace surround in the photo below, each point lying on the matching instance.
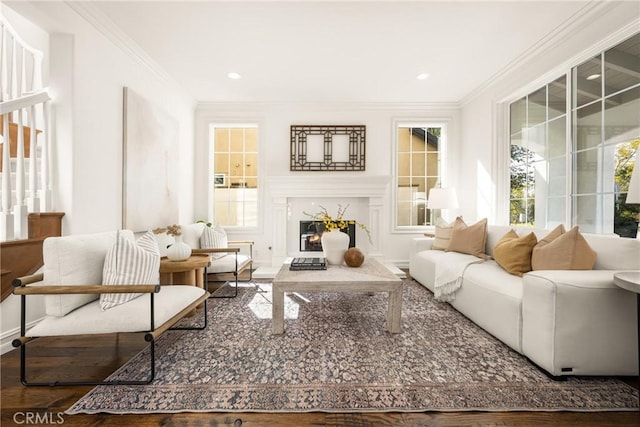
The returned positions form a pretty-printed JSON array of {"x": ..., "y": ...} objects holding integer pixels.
[{"x": 291, "y": 196}]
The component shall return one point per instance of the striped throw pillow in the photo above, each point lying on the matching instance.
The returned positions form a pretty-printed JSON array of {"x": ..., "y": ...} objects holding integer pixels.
[
  {"x": 443, "y": 235},
  {"x": 130, "y": 262},
  {"x": 214, "y": 237}
]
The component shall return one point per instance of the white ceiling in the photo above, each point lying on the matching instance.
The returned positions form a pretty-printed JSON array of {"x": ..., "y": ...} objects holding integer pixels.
[{"x": 354, "y": 51}]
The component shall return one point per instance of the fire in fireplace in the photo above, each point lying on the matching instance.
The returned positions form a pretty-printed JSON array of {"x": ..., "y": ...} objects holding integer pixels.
[{"x": 311, "y": 231}]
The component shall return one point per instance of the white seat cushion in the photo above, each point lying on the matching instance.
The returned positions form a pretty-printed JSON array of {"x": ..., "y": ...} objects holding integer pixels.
[
  {"x": 227, "y": 264},
  {"x": 134, "y": 316}
]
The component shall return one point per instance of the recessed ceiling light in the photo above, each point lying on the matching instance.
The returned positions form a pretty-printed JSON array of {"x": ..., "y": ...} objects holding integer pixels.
[
  {"x": 593, "y": 76},
  {"x": 422, "y": 76},
  {"x": 234, "y": 76}
]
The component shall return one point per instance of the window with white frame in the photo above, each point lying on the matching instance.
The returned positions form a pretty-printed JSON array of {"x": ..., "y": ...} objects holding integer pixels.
[
  {"x": 419, "y": 149},
  {"x": 571, "y": 162},
  {"x": 234, "y": 177},
  {"x": 538, "y": 133}
]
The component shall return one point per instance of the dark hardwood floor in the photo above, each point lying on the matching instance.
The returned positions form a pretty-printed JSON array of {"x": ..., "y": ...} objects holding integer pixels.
[{"x": 96, "y": 357}]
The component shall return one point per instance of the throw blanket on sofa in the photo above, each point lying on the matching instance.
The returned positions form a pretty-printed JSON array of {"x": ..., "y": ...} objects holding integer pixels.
[{"x": 449, "y": 274}]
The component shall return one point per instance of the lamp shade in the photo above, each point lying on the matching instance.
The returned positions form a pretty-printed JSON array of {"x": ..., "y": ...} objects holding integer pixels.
[
  {"x": 442, "y": 198},
  {"x": 633, "y": 194}
]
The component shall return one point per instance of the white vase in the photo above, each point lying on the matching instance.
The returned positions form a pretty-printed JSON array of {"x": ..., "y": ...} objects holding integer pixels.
[
  {"x": 334, "y": 244},
  {"x": 179, "y": 251}
]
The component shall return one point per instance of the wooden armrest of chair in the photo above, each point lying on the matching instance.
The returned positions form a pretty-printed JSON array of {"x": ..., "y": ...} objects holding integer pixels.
[
  {"x": 21, "y": 289},
  {"x": 242, "y": 242},
  {"x": 213, "y": 250},
  {"x": 25, "y": 280}
]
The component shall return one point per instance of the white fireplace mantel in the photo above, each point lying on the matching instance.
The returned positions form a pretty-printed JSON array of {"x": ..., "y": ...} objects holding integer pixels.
[
  {"x": 282, "y": 189},
  {"x": 327, "y": 186}
]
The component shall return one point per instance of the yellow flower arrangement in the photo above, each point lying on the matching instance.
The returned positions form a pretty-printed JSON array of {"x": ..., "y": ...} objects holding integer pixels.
[{"x": 338, "y": 223}]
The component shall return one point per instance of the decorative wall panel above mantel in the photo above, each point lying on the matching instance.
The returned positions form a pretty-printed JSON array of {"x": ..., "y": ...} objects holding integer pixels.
[{"x": 328, "y": 148}]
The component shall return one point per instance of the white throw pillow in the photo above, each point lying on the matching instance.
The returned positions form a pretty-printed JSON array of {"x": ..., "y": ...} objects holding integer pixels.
[
  {"x": 130, "y": 263},
  {"x": 214, "y": 237},
  {"x": 191, "y": 234}
]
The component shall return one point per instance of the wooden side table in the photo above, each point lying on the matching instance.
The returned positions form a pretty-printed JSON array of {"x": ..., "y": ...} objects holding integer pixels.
[
  {"x": 630, "y": 280},
  {"x": 187, "y": 272}
]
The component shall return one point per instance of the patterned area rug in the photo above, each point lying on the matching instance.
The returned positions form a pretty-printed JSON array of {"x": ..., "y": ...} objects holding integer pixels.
[{"x": 337, "y": 356}]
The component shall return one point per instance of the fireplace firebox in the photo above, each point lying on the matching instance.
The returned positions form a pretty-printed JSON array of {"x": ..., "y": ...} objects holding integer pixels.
[{"x": 311, "y": 231}]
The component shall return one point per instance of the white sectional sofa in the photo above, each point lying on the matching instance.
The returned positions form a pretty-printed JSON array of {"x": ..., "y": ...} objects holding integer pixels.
[{"x": 568, "y": 322}]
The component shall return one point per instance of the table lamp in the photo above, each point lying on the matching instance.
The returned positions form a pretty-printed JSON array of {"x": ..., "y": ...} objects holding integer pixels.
[{"x": 442, "y": 198}]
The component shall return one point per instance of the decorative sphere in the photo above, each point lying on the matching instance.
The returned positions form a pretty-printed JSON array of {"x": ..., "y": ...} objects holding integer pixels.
[{"x": 354, "y": 257}]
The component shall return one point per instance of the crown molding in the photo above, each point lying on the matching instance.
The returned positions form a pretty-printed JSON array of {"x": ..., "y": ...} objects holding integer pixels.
[
  {"x": 326, "y": 106},
  {"x": 102, "y": 23},
  {"x": 578, "y": 20}
]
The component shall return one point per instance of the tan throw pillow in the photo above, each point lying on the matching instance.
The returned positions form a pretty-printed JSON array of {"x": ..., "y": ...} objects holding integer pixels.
[
  {"x": 513, "y": 253},
  {"x": 469, "y": 239},
  {"x": 554, "y": 234},
  {"x": 443, "y": 235},
  {"x": 567, "y": 251}
]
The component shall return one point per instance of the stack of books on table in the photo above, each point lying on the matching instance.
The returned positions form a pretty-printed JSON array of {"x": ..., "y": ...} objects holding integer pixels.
[{"x": 308, "y": 264}]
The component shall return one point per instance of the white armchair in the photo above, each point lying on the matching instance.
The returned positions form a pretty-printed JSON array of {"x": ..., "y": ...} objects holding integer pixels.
[
  {"x": 228, "y": 259},
  {"x": 103, "y": 283}
]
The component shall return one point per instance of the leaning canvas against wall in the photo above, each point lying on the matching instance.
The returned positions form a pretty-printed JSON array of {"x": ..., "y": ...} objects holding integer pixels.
[{"x": 150, "y": 162}]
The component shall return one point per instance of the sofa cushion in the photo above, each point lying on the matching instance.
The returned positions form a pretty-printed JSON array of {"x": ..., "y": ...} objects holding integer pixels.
[
  {"x": 614, "y": 252},
  {"x": 513, "y": 253},
  {"x": 494, "y": 234},
  {"x": 490, "y": 276},
  {"x": 563, "y": 251},
  {"x": 75, "y": 260},
  {"x": 469, "y": 239},
  {"x": 213, "y": 238},
  {"x": 443, "y": 234},
  {"x": 130, "y": 262}
]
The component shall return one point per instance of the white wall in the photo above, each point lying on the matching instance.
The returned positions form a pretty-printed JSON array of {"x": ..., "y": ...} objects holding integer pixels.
[
  {"x": 274, "y": 151},
  {"x": 88, "y": 73},
  {"x": 86, "y": 80},
  {"x": 485, "y": 188}
]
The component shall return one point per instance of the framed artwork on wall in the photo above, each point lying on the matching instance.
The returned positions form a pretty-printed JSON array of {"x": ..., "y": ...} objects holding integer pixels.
[
  {"x": 150, "y": 165},
  {"x": 328, "y": 148}
]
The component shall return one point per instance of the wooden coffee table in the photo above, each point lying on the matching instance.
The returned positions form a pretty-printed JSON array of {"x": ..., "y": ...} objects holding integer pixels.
[{"x": 369, "y": 277}]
